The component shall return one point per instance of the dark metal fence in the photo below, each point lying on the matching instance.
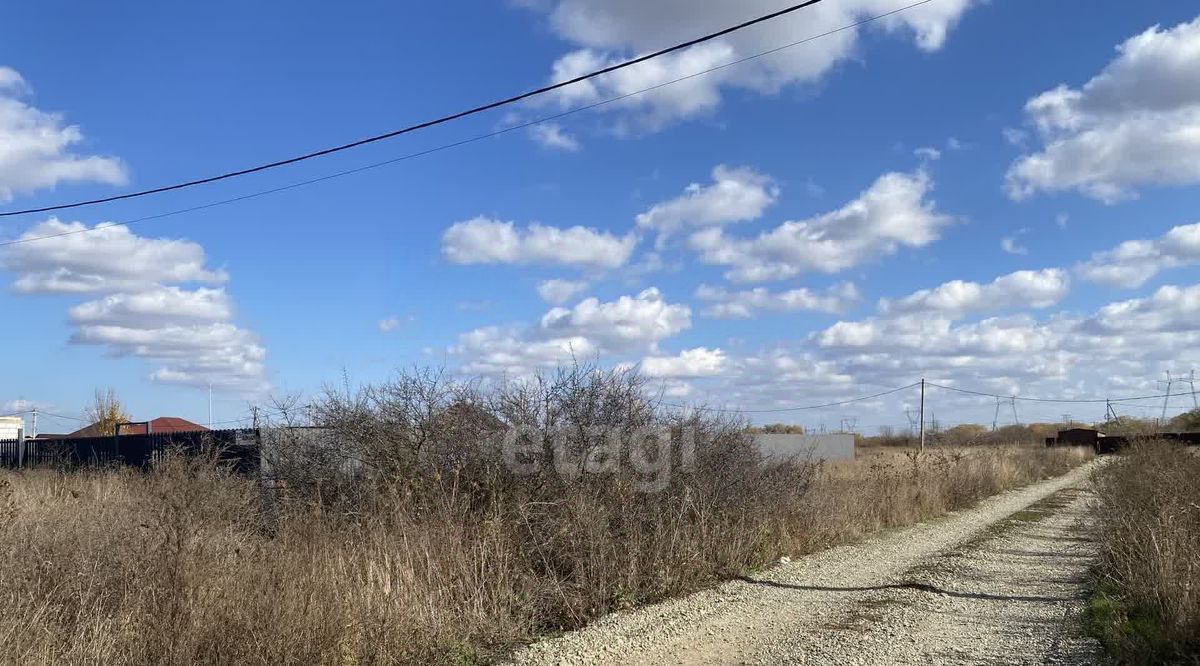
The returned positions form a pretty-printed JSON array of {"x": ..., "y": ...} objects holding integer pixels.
[{"x": 238, "y": 448}]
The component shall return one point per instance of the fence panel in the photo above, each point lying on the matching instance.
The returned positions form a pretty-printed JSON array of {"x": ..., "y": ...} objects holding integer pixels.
[{"x": 237, "y": 448}]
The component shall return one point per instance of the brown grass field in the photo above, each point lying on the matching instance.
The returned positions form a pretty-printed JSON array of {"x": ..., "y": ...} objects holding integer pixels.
[{"x": 182, "y": 565}]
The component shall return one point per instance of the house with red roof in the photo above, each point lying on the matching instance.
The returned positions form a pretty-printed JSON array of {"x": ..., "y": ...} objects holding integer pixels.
[{"x": 158, "y": 425}]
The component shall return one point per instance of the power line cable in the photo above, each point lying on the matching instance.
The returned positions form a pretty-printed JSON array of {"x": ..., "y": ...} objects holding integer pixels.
[
  {"x": 792, "y": 409},
  {"x": 60, "y": 416},
  {"x": 425, "y": 124},
  {"x": 1053, "y": 400},
  {"x": 462, "y": 142}
]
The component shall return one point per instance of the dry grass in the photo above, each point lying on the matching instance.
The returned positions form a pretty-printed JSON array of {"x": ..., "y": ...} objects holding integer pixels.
[
  {"x": 1146, "y": 607},
  {"x": 433, "y": 562}
]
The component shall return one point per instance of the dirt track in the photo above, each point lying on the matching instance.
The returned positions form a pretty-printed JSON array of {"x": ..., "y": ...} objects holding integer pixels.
[{"x": 1000, "y": 583}]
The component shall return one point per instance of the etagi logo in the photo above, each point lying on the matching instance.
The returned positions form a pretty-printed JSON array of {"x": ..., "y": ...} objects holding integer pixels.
[{"x": 649, "y": 453}]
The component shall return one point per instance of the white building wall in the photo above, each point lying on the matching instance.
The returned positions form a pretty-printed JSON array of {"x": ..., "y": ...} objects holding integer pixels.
[
  {"x": 11, "y": 427},
  {"x": 807, "y": 447}
]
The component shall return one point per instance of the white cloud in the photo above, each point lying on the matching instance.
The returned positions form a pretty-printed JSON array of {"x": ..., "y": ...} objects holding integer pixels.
[
  {"x": 482, "y": 240},
  {"x": 36, "y": 147},
  {"x": 1133, "y": 263},
  {"x": 892, "y": 212},
  {"x": 552, "y": 135},
  {"x": 1010, "y": 245},
  {"x": 1136, "y": 123},
  {"x": 630, "y": 322},
  {"x": 142, "y": 310},
  {"x": 609, "y": 31},
  {"x": 1120, "y": 348},
  {"x": 557, "y": 292},
  {"x": 392, "y": 322},
  {"x": 107, "y": 258},
  {"x": 1169, "y": 309},
  {"x": 737, "y": 194},
  {"x": 155, "y": 307},
  {"x": 928, "y": 154},
  {"x": 591, "y": 328},
  {"x": 690, "y": 363},
  {"x": 745, "y": 304},
  {"x": 954, "y": 299}
]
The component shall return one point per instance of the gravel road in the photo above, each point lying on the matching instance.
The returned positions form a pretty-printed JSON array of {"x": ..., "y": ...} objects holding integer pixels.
[{"x": 1000, "y": 583}]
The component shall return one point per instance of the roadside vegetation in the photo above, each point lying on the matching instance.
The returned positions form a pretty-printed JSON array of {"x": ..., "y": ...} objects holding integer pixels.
[
  {"x": 402, "y": 531},
  {"x": 1146, "y": 603}
]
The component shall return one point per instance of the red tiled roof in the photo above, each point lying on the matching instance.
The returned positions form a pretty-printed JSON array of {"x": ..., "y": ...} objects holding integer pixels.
[{"x": 160, "y": 424}]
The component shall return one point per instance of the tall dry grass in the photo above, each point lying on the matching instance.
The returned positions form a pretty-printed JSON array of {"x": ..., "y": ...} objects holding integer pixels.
[
  {"x": 1146, "y": 607},
  {"x": 444, "y": 557}
]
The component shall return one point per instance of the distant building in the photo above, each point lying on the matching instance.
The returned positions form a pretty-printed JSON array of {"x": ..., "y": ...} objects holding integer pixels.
[
  {"x": 1076, "y": 437},
  {"x": 806, "y": 447},
  {"x": 11, "y": 427},
  {"x": 158, "y": 425}
]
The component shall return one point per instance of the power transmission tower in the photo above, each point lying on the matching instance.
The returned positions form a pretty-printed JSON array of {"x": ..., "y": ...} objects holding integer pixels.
[
  {"x": 1192, "y": 387},
  {"x": 1166, "y": 397},
  {"x": 996, "y": 417},
  {"x": 1013, "y": 401}
]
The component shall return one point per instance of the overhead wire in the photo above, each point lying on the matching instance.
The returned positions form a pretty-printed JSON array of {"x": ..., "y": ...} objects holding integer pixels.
[
  {"x": 455, "y": 144},
  {"x": 1058, "y": 400},
  {"x": 839, "y": 403},
  {"x": 427, "y": 123}
]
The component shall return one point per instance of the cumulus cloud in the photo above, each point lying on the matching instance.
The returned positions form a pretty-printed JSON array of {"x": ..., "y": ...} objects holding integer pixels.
[
  {"x": 894, "y": 211},
  {"x": 106, "y": 258},
  {"x": 606, "y": 32},
  {"x": 154, "y": 307},
  {"x": 954, "y": 299},
  {"x": 1134, "y": 124},
  {"x": 557, "y": 291},
  {"x": 630, "y": 322},
  {"x": 552, "y": 135},
  {"x": 146, "y": 306},
  {"x": 592, "y": 327},
  {"x": 1121, "y": 347},
  {"x": 746, "y": 304},
  {"x": 36, "y": 147},
  {"x": 483, "y": 240},
  {"x": 1169, "y": 309},
  {"x": 690, "y": 363},
  {"x": 737, "y": 194},
  {"x": 1135, "y": 262}
]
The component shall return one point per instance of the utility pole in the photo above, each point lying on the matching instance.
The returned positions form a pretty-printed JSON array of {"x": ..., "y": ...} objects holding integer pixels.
[
  {"x": 922, "y": 413},
  {"x": 1166, "y": 398},
  {"x": 1111, "y": 412},
  {"x": 210, "y": 405}
]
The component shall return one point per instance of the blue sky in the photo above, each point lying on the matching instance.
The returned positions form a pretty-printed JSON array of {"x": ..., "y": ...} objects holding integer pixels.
[{"x": 867, "y": 165}]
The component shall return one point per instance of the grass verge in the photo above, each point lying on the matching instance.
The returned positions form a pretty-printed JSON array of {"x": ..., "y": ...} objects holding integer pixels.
[{"x": 1145, "y": 604}]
